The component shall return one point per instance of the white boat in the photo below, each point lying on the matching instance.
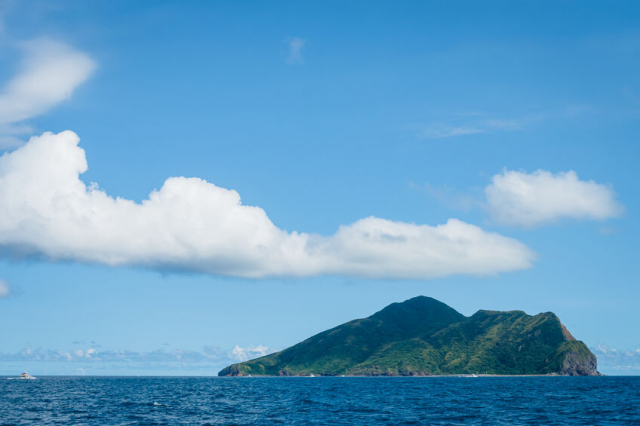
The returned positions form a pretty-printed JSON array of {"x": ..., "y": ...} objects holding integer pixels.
[{"x": 26, "y": 376}]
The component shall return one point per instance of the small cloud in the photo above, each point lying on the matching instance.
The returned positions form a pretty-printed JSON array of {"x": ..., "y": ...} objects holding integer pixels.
[
  {"x": 474, "y": 123},
  {"x": 506, "y": 125},
  {"x": 530, "y": 199},
  {"x": 438, "y": 132},
  {"x": 50, "y": 72},
  {"x": 5, "y": 289},
  {"x": 241, "y": 354},
  {"x": 296, "y": 44},
  {"x": 527, "y": 200}
]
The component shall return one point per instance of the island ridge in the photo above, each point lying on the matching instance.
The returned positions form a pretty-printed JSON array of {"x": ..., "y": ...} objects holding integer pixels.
[{"x": 423, "y": 337}]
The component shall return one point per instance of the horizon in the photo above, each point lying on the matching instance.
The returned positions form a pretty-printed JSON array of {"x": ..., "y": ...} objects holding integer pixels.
[
  {"x": 187, "y": 186},
  {"x": 143, "y": 367}
]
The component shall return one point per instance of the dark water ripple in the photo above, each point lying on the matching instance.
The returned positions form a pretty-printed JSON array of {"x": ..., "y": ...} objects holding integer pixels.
[{"x": 321, "y": 401}]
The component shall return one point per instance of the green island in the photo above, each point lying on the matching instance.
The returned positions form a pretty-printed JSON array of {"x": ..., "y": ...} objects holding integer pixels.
[{"x": 425, "y": 337}]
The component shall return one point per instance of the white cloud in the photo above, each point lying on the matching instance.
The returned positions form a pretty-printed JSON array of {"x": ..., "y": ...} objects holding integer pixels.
[
  {"x": 208, "y": 354},
  {"x": 530, "y": 199},
  {"x": 5, "y": 289},
  {"x": 475, "y": 126},
  {"x": 49, "y": 74},
  {"x": 437, "y": 132},
  {"x": 192, "y": 225},
  {"x": 241, "y": 354},
  {"x": 478, "y": 122},
  {"x": 617, "y": 361},
  {"x": 296, "y": 44}
]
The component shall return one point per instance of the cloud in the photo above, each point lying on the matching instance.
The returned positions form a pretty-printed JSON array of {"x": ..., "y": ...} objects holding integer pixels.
[
  {"x": 49, "y": 74},
  {"x": 209, "y": 354},
  {"x": 192, "y": 225},
  {"x": 240, "y": 354},
  {"x": 478, "y": 123},
  {"x": 530, "y": 199},
  {"x": 5, "y": 289},
  {"x": 296, "y": 44},
  {"x": 475, "y": 126},
  {"x": 437, "y": 132},
  {"x": 617, "y": 361}
]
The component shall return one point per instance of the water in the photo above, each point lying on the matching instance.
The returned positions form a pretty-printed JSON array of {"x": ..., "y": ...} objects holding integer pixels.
[{"x": 320, "y": 401}]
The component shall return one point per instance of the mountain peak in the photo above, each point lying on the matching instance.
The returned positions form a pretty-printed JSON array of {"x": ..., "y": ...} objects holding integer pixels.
[{"x": 420, "y": 309}]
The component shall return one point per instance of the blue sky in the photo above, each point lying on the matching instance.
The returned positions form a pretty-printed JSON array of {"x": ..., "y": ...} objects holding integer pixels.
[{"x": 482, "y": 154}]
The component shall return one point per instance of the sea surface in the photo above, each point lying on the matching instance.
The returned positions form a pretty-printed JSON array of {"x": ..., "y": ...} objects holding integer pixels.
[{"x": 320, "y": 401}]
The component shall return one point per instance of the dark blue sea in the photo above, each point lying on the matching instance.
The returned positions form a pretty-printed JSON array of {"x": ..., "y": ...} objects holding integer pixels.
[{"x": 320, "y": 401}]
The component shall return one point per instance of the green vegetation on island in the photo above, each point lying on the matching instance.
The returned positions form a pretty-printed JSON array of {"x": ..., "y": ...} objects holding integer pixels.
[{"x": 423, "y": 336}]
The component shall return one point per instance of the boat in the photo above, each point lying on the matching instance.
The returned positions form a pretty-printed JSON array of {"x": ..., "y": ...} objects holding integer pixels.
[{"x": 26, "y": 376}]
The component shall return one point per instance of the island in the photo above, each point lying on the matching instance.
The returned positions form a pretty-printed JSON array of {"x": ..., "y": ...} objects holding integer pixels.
[{"x": 425, "y": 337}]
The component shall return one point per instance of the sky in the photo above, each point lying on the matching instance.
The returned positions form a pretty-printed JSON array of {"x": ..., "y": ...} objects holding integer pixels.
[{"x": 187, "y": 185}]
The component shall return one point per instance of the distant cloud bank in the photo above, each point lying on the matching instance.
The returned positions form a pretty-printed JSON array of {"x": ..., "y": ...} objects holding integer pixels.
[
  {"x": 211, "y": 358},
  {"x": 95, "y": 354},
  {"x": 620, "y": 362},
  {"x": 49, "y": 74},
  {"x": 192, "y": 225},
  {"x": 531, "y": 199}
]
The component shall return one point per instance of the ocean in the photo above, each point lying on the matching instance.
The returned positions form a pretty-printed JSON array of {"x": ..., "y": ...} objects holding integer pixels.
[{"x": 320, "y": 401}]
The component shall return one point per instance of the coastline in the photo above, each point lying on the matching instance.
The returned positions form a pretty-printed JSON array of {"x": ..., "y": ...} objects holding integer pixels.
[{"x": 469, "y": 376}]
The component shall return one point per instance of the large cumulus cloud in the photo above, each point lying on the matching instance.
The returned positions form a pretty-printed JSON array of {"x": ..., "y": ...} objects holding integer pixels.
[{"x": 192, "y": 225}]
